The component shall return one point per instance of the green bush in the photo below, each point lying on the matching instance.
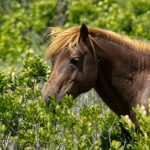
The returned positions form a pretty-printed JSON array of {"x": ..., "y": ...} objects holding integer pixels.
[
  {"x": 22, "y": 28},
  {"x": 128, "y": 17}
]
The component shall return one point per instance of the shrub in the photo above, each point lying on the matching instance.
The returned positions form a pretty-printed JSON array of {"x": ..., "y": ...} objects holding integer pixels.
[{"x": 23, "y": 25}]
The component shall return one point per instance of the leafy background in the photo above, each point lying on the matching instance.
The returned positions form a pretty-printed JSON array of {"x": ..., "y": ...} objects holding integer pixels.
[{"x": 87, "y": 123}]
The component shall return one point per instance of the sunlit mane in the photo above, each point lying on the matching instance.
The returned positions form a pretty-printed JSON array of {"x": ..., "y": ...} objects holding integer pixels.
[{"x": 70, "y": 37}]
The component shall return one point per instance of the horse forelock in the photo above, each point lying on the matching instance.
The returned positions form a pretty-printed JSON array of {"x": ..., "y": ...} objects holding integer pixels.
[
  {"x": 69, "y": 38},
  {"x": 66, "y": 39}
]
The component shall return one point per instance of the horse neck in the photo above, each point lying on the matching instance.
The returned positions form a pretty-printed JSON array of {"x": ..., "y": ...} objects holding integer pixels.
[
  {"x": 116, "y": 66},
  {"x": 123, "y": 54}
]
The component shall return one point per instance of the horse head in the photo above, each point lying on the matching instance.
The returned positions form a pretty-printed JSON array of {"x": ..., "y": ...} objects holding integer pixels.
[{"x": 74, "y": 70}]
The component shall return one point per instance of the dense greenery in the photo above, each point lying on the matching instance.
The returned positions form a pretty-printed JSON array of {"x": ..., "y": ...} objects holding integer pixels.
[{"x": 25, "y": 121}]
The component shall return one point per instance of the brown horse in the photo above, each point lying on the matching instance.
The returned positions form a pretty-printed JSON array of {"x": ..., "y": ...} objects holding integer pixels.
[{"x": 117, "y": 67}]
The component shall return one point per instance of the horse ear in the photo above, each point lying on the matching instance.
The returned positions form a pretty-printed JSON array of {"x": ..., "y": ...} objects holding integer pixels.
[
  {"x": 83, "y": 32},
  {"x": 54, "y": 31}
]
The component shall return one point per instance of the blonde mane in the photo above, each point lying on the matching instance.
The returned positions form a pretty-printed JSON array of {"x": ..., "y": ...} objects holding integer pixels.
[{"x": 70, "y": 37}]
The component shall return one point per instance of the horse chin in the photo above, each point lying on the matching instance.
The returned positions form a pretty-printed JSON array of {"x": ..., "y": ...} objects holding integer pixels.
[
  {"x": 60, "y": 97},
  {"x": 48, "y": 100}
]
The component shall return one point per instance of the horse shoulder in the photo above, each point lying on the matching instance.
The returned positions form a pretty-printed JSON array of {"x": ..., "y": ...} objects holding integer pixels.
[{"x": 134, "y": 87}]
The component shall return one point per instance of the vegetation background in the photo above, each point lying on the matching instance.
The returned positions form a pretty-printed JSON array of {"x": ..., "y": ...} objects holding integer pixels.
[{"x": 87, "y": 123}]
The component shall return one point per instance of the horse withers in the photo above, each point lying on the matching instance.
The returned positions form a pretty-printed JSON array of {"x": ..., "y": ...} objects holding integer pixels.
[{"x": 117, "y": 67}]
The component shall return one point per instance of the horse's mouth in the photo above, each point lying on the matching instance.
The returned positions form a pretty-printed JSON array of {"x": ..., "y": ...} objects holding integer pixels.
[{"x": 59, "y": 95}]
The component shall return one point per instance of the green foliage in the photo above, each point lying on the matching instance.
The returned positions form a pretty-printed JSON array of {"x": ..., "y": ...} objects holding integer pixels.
[
  {"x": 25, "y": 121},
  {"x": 142, "y": 141},
  {"x": 18, "y": 93},
  {"x": 129, "y": 17},
  {"x": 22, "y": 26}
]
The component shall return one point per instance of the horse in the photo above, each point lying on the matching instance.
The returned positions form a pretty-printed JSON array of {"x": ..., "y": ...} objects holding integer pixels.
[{"x": 117, "y": 67}]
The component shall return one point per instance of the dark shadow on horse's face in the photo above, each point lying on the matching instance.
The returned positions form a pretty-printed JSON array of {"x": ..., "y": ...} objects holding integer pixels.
[{"x": 73, "y": 72}]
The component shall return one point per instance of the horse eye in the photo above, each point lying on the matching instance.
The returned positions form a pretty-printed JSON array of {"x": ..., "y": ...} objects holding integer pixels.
[{"x": 75, "y": 61}]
